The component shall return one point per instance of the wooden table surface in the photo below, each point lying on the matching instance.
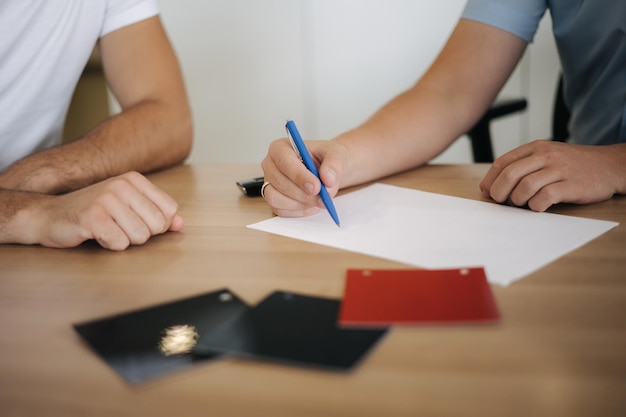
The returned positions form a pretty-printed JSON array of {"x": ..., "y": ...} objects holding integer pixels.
[{"x": 559, "y": 351}]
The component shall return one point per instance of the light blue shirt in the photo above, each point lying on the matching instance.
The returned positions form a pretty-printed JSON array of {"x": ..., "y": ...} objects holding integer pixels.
[{"x": 591, "y": 39}]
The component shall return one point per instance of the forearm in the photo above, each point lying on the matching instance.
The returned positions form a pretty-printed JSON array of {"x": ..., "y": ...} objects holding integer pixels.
[
  {"x": 419, "y": 124},
  {"x": 407, "y": 132},
  {"x": 148, "y": 136}
]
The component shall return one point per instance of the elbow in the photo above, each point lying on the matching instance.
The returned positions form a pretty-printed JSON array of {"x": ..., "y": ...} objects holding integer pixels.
[
  {"x": 182, "y": 136},
  {"x": 186, "y": 136}
]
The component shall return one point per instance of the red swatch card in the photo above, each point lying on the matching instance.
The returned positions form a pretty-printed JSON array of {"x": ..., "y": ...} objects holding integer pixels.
[{"x": 417, "y": 296}]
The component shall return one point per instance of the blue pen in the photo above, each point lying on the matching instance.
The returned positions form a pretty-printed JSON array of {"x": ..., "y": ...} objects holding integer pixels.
[{"x": 305, "y": 156}]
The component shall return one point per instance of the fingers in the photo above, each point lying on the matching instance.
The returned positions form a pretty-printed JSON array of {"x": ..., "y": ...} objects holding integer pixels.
[
  {"x": 138, "y": 208},
  {"x": 536, "y": 186},
  {"x": 285, "y": 171},
  {"x": 294, "y": 190},
  {"x": 549, "y": 195},
  {"x": 177, "y": 224},
  {"x": 516, "y": 180},
  {"x": 525, "y": 176},
  {"x": 105, "y": 230},
  {"x": 497, "y": 170},
  {"x": 543, "y": 173},
  {"x": 331, "y": 170},
  {"x": 118, "y": 212},
  {"x": 153, "y": 206},
  {"x": 285, "y": 206}
]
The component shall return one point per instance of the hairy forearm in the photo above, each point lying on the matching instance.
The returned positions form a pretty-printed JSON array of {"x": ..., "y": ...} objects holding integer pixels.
[
  {"x": 145, "y": 137},
  {"x": 14, "y": 206}
]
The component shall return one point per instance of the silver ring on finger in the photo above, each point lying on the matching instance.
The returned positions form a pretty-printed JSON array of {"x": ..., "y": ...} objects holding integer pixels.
[{"x": 265, "y": 184}]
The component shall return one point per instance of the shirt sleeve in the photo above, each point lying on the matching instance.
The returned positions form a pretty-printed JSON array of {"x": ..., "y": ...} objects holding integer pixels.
[
  {"x": 120, "y": 13},
  {"x": 518, "y": 17}
]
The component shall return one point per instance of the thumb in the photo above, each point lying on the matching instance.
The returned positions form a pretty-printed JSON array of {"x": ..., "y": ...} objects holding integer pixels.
[
  {"x": 177, "y": 224},
  {"x": 331, "y": 170}
]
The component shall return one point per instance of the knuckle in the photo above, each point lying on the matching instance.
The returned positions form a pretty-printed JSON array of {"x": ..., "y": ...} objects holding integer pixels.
[
  {"x": 549, "y": 196},
  {"x": 132, "y": 176},
  {"x": 265, "y": 164},
  {"x": 120, "y": 246},
  {"x": 499, "y": 164},
  {"x": 115, "y": 243},
  {"x": 171, "y": 209},
  {"x": 537, "y": 205},
  {"x": 543, "y": 200},
  {"x": 141, "y": 237},
  {"x": 549, "y": 151},
  {"x": 95, "y": 214},
  {"x": 119, "y": 185},
  {"x": 282, "y": 163},
  {"x": 160, "y": 225},
  {"x": 525, "y": 186},
  {"x": 105, "y": 199},
  {"x": 518, "y": 199},
  {"x": 509, "y": 175},
  {"x": 537, "y": 143},
  {"x": 160, "y": 218},
  {"x": 136, "y": 234}
]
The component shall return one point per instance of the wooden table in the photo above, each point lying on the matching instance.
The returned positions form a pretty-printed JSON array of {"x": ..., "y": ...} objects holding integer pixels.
[{"x": 559, "y": 351}]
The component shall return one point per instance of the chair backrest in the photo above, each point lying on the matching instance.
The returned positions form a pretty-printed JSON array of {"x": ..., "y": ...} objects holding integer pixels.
[
  {"x": 480, "y": 134},
  {"x": 560, "y": 114}
]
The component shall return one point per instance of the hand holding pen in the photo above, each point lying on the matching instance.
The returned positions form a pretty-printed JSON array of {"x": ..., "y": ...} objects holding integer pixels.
[
  {"x": 295, "y": 190},
  {"x": 305, "y": 156}
]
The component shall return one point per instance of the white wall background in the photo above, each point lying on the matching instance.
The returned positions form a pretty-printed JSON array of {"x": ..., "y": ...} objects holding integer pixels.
[{"x": 328, "y": 64}]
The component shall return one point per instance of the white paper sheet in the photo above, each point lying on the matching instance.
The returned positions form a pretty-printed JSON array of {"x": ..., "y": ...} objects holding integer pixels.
[{"x": 435, "y": 231}]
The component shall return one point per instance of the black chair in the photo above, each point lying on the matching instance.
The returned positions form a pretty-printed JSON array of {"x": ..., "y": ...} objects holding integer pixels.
[
  {"x": 480, "y": 134},
  {"x": 560, "y": 115}
]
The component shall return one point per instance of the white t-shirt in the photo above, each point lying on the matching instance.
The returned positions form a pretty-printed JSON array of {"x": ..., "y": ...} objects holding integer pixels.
[{"x": 44, "y": 46}]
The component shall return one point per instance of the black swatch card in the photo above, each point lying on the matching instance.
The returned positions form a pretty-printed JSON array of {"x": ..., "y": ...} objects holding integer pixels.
[
  {"x": 291, "y": 328},
  {"x": 151, "y": 342}
]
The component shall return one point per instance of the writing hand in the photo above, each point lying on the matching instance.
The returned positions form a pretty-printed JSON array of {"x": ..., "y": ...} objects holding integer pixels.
[{"x": 294, "y": 189}]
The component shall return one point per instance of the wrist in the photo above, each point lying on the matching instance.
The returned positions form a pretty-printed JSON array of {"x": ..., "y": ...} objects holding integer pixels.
[
  {"x": 54, "y": 171},
  {"x": 610, "y": 163},
  {"x": 21, "y": 217},
  {"x": 618, "y": 157},
  {"x": 30, "y": 176}
]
